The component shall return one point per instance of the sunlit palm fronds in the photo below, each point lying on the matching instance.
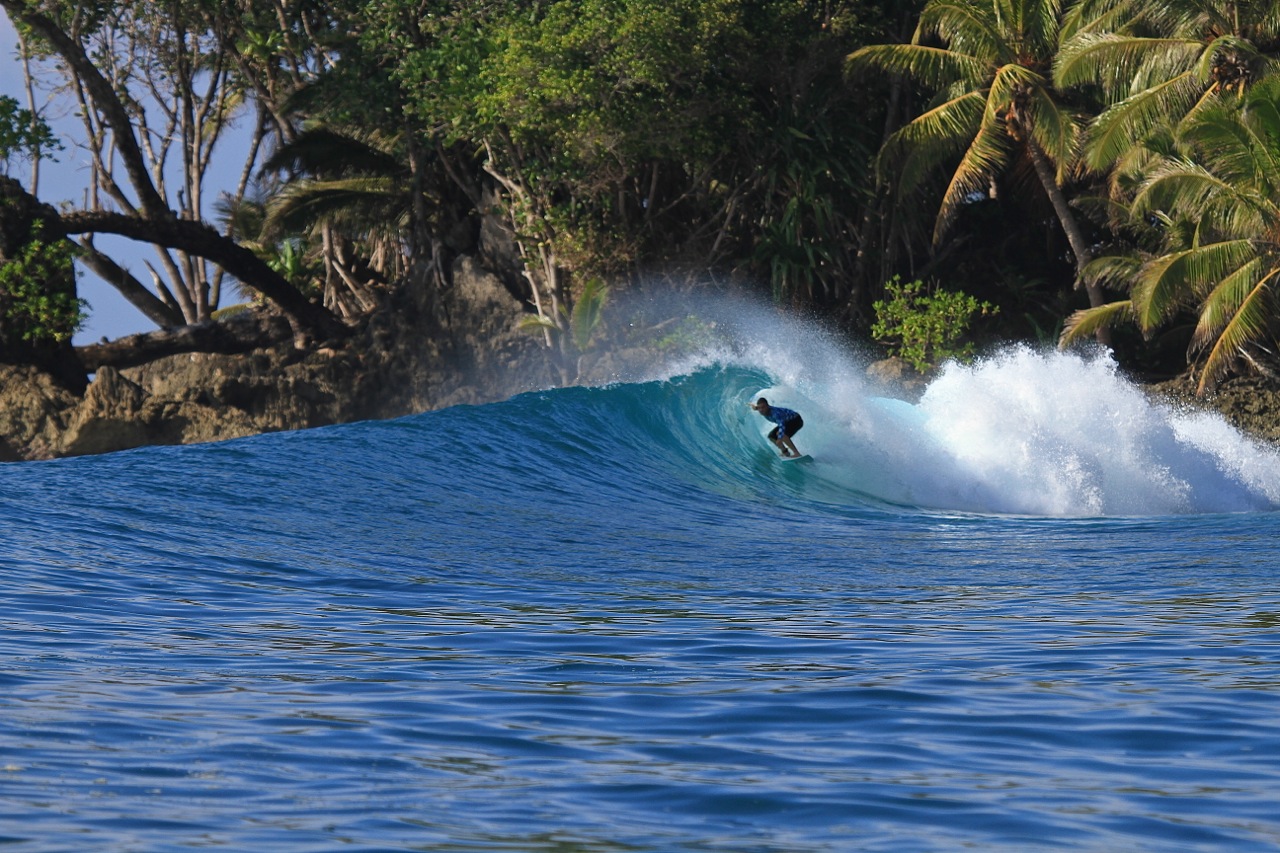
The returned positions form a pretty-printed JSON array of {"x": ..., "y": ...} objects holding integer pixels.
[{"x": 1087, "y": 322}]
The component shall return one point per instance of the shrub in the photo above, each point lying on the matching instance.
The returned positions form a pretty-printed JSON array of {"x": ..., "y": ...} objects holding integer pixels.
[
  {"x": 38, "y": 303},
  {"x": 926, "y": 326}
]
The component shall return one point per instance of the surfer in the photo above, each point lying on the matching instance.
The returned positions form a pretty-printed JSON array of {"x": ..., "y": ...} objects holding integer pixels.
[{"x": 788, "y": 424}]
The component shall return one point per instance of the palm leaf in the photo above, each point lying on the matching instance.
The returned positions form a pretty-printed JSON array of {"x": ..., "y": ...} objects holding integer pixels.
[
  {"x": 1172, "y": 281},
  {"x": 1086, "y": 323},
  {"x": 966, "y": 27},
  {"x": 1231, "y": 145},
  {"x": 987, "y": 155},
  {"x": 323, "y": 151},
  {"x": 1180, "y": 185},
  {"x": 1125, "y": 123},
  {"x": 1114, "y": 272},
  {"x": 1094, "y": 16},
  {"x": 1224, "y": 301},
  {"x": 1116, "y": 62},
  {"x": 932, "y": 66},
  {"x": 587, "y": 312},
  {"x": 1038, "y": 24},
  {"x": 368, "y": 204},
  {"x": 1248, "y": 323},
  {"x": 932, "y": 138}
]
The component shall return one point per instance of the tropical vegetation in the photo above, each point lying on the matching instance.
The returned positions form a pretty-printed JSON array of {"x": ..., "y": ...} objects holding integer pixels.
[{"x": 1093, "y": 169}]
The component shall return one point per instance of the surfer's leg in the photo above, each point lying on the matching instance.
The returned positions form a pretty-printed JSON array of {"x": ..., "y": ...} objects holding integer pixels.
[
  {"x": 793, "y": 426},
  {"x": 777, "y": 442}
]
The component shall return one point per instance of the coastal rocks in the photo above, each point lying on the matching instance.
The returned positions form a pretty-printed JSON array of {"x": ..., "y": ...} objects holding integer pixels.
[
  {"x": 33, "y": 411},
  {"x": 1249, "y": 403},
  {"x": 898, "y": 376},
  {"x": 117, "y": 414},
  {"x": 463, "y": 346}
]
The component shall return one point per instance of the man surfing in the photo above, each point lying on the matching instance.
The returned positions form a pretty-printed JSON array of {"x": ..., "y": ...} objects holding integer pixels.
[{"x": 788, "y": 424}]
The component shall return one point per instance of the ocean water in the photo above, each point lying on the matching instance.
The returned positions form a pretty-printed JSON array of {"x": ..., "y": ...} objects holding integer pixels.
[{"x": 1033, "y": 611}]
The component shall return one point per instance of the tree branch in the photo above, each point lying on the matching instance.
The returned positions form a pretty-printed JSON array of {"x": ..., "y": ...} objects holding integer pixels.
[
  {"x": 307, "y": 319},
  {"x": 242, "y": 333}
]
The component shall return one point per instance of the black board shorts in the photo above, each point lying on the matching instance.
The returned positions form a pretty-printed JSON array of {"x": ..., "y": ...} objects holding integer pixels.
[{"x": 793, "y": 426}]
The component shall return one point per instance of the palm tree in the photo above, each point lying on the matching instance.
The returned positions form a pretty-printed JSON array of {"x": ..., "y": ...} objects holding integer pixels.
[
  {"x": 351, "y": 194},
  {"x": 1215, "y": 200},
  {"x": 1156, "y": 59},
  {"x": 995, "y": 102}
]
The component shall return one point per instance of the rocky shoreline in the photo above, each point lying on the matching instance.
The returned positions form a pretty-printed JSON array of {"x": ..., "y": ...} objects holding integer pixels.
[{"x": 429, "y": 351}]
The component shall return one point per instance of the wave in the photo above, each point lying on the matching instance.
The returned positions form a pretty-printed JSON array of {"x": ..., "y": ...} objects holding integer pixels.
[{"x": 1019, "y": 433}]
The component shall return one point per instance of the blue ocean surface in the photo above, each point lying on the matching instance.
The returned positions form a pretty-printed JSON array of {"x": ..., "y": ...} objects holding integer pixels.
[{"x": 1032, "y": 611}]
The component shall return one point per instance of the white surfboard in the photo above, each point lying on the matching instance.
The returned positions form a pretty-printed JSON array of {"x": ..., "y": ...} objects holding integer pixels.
[{"x": 803, "y": 457}]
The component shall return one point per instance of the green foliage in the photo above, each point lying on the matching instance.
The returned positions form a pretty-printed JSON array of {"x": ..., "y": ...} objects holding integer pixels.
[
  {"x": 923, "y": 327},
  {"x": 993, "y": 97},
  {"x": 659, "y": 131},
  {"x": 582, "y": 321},
  {"x": 23, "y": 134},
  {"x": 1213, "y": 202},
  {"x": 36, "y": 303}
]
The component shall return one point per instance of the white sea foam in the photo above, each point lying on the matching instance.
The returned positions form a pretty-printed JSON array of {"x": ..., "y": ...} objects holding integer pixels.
[{"x": 1050, "y": 434}]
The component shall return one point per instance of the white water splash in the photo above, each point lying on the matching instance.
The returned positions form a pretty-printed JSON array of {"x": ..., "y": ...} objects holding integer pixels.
[
  {"x": 1028, "y": 433},
  {"x": 1022, "y": 432}
]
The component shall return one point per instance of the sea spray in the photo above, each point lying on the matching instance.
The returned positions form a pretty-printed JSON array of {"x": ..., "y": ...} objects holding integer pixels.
[{"x": 1030, "y": 433}]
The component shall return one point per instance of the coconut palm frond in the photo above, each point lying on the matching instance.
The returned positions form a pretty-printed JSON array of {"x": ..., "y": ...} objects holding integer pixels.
[
  {"x": 587, "y": 312},
  {"x": 1119, "y": 125},
  {"x": 1173, "y": 281},
  {"x": 1222, "y": 304},
  {"x": 932, "y": 66},
  {"x": 368, "y": 203},
  {"x": 970, "y": 28},
  {"x": 1179, "y": 185},
  {"x": 1117, "y": 62},
  {"x": 1248, "y": 323},
  {"x": 328, "y": 152},
  {"x": 1114, "y": 272},
  {"x": 932, "y": 138},
  {"x": 987, "y": 155},
  {"x": 1096, "y": 16},
  {"x": 1087, "y": 322},
  {"x": 1236, "y": 151},
  {"x": 1026, "y": 27}
]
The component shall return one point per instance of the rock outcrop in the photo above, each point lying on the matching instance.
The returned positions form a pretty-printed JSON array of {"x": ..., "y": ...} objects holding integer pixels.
[{"x": 459, "y": 344}]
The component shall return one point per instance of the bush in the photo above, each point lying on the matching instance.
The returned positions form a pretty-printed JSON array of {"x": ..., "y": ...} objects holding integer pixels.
[
  {"x": 926, "y": 327},
  {"x": 38, "y": 303}
]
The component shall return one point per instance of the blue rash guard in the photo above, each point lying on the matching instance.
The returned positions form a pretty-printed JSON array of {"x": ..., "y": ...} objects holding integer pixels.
[{"x": 781, "y": 417}]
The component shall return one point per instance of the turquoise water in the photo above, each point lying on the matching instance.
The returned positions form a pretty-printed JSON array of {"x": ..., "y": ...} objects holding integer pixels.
[{"x": 1032, "y": 612}]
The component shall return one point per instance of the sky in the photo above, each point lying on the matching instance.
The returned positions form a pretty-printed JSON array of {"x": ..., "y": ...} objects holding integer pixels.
[{"x": 65, "y": 180}]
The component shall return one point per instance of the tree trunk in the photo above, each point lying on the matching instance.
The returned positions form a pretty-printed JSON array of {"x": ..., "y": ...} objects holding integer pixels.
[
  {"x": 1075, "y": 234},
  {"x": 151, "y": 306}
]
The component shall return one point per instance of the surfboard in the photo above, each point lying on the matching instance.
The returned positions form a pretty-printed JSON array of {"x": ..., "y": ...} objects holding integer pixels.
[{"x": 803, "y": 457}]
